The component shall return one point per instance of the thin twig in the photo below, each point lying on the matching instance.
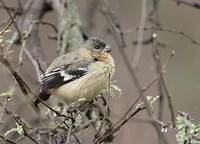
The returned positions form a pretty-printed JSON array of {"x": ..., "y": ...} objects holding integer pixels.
[
  {"x": 162, "y": 81},
  {"x": 30, "y": 56},
  {"x": 68, "y": 136},
  {"x": 11, "y": 17},
  {"x": 12, "y": 9},
  {"x": 117, "y": 128},
  {"x": 73, "y": 133},
  {"x": 163, "y": 70},
  {"x": 28, "y": 136},
  {"x": 127, "y": 112},
  {"x": 179, "y": 32},
  {"x": 25, "y": 37},
  {"x": 133, "y": 75},
  {"x": 20, "y": 6},
  {"x": 25, "y": 88},
  {"x": 11, "y": 21},
  {"x": 7, "y": 140},
  {"x": 158, "y": 67},
  {"x": 48, "y": 24},
  {"x": 105, "y": 114},
  {"x": 40, "y": 67},
  {"x": 166, "y": 29},
  {"x": 69, "y": 26},
  {"x": 188, "y": 3},
  {"x": 35, "y": 64},
  {"x": 2, "y": 109},
  {"x": 140, "y": 35},
  {"x": 21, "y": 123},
  {"x": 118, "y": 35}
]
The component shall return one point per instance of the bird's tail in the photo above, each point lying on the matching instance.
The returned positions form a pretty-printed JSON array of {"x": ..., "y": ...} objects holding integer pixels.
[{"x": 44, "y": 96}]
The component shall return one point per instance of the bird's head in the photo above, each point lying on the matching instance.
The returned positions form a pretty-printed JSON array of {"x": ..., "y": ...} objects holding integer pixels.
[{"x": 97, "y": 47}]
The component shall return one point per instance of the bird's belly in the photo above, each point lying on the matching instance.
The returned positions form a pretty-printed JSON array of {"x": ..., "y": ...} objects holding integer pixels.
[{"x": 85, "y": 88}]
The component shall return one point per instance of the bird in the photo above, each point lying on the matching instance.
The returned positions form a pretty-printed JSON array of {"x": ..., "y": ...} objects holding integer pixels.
[{"x": 80, "y": 75}]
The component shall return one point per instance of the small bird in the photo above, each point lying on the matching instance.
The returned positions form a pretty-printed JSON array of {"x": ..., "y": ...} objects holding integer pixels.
[{"x": 79, "y": 75}]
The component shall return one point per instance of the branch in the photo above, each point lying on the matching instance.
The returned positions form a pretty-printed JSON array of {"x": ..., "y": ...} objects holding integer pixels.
[
  {"x": 21, "y": 123},
  {"x": 188, "y": 3},
  {"x": 166, "y": 29},
  {"x": 140, "y": 35},
  {"x": 70, "y": 26},
  {"x": 134, "y": 78},
  {"x": 11, "y": 17},
  {"x": 26, "y": 90},
  {"x": 7, "y": 140},
  {"x": 179, "y": 32},
  {"x": 11, "y": 21},
  {"x": 118, "y": 35},
  {"x": 35, "y": 11},
  {"x": 117, "y": 128}
]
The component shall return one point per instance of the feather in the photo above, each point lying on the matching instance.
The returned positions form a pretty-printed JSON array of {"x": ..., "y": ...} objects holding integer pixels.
[{"x": 64, "y": 74}]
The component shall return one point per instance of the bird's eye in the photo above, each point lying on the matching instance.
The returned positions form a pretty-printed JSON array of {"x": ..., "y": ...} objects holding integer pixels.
[
  {"x": 103, "y": 45},
  {"x": 100, "y": 46}
]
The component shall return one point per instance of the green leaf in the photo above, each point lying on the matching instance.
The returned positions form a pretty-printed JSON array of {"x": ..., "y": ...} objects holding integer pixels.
[
  {"x": 8, "y": 93},
  {"x": 109, "y": 68},
  {"x": 187, "y": 131},
  {"x": 113, "y": 90},
  {"x": 18, "y": 129},
  {"x": 150, "y": 99}
]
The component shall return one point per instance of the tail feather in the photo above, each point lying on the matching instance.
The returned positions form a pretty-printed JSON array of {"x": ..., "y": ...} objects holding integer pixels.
[{"x": 44, "y": 95}]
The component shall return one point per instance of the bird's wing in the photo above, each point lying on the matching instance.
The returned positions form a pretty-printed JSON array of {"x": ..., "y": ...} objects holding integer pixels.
[
  {"x": 64, "y": 74},
  {"x": 69, "y": 59}
]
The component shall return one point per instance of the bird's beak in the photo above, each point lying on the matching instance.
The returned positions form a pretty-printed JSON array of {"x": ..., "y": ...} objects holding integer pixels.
[{"x": 107, "y": 49}]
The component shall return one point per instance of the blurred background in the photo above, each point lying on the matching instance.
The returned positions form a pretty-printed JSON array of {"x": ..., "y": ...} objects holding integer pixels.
[{"x": 181, "y": 76}]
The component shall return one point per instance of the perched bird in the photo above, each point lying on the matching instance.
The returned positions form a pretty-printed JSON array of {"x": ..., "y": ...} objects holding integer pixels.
[{"x": 79, "y": 75}]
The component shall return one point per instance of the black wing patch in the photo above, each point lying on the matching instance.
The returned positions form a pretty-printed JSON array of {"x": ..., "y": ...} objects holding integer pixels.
[{"x": 60, "y": 76}]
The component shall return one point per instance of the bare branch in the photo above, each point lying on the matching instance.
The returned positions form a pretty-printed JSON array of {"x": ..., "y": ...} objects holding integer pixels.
[
  {"x": 7, "y": 140},
  {"x": 70, "y": 27},
  {"x": 189, "y": 3},
  {"x": 140, "y": 35},
  {"x": 11, "y": 17},
  {"x": 118, "y": 35},
  {"x": 117, "y": 128},
  {"x": 8, "y": 24}
]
